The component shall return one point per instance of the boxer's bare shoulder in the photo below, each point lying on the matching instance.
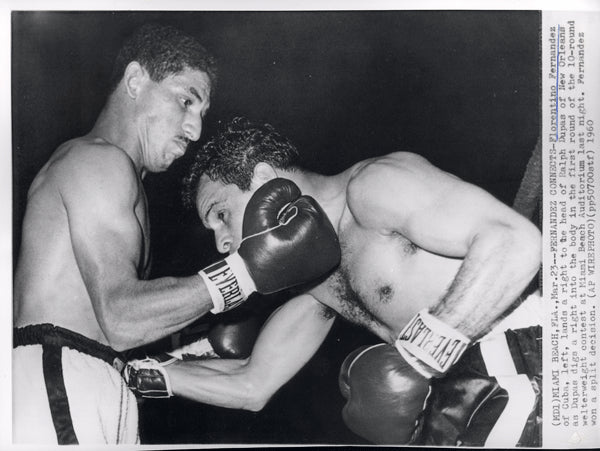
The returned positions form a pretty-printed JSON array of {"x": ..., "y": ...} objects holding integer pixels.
[
  {"x": 86, "y": 160},
  {"x": 403, "y": 178}
]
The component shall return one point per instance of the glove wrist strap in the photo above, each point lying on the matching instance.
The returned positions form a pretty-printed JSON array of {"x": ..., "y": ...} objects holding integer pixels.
[
  {"x": 148, "y": 377},
  {"x": 429, "y": 345},
  {"x": 228, "y": 282}
]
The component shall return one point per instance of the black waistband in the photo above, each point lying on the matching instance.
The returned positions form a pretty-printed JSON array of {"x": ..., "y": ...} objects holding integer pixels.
[{"x": 48, "y": 334}]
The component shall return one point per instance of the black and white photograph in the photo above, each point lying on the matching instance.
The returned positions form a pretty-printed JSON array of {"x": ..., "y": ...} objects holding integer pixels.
[{"x": 278, "y": 227}]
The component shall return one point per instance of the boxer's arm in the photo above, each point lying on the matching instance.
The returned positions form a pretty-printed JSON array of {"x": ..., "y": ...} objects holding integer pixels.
[
  {"x": 403, "y": 193},
  {"x": 100, "y": 191},
  {"x": 289, "y": 338}
]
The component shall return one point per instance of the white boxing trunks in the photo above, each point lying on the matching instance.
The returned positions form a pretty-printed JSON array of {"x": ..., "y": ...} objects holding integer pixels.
[{"x": 67, "y": 389}]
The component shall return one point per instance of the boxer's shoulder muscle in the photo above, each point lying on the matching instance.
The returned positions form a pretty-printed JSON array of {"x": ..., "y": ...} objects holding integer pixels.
[
  {"x": 391, "y": 182},
  {"x": 82, "y": 156},
  {"x": 87, "y": 166}
]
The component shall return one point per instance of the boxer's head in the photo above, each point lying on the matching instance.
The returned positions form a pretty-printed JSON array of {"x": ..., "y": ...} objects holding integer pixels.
[
  {"x": 229, "y": 169},
  {"x": 163, "y": 51},
  {"x": 161, "y": 86}
]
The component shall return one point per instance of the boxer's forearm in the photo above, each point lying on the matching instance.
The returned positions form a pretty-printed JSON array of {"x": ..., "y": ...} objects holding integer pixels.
[
  {"x": 143, "y": 311},
  {"x": 498, "y": 266},
  {"x": 219, "y": 382}
]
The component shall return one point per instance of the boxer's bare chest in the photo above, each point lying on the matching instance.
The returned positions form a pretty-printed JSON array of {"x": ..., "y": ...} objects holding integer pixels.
[{"x": 383, "y": 280}]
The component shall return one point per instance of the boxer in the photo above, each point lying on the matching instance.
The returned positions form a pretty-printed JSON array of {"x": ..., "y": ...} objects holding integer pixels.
[
  {"x": 429, "y": 264},
  {"x": 82, "y": 292}
]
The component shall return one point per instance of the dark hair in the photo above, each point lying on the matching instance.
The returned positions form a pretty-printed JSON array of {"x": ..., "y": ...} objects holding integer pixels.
[
  {"x": 230, "y": 157},
  {"x": 163, "y": 51}
]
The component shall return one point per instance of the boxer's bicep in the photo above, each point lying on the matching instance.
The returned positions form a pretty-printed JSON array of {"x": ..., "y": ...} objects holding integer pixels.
[
  {"x": 456, "y": 215},
  {"x": 432, "y": 208},
  {"x": 448, "y": 215}
]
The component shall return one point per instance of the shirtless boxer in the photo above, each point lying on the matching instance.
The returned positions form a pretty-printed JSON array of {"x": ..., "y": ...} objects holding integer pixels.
[
  {"x": 81, "y": 290},
  {"x": 424, "y": 254}
]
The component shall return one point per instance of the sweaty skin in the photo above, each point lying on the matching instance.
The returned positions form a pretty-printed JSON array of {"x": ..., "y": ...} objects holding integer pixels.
[
  {"x": 412, "y": 237},
  {"x": 85, "y": 252}
]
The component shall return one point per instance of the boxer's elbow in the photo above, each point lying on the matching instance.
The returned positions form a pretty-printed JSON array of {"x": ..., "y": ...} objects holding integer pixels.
[
  {"x": 256, "y": 397},
  {"x": 516, "y": 247},
  {"x": 527, "y": 243},
  {"x": 255, "y": 404},
  {"x": 256, "y": 392},
  {"x": 119, "y": 337},
  {"x": 119, "y": 330},
  {"x": 512, "y": 246},
  {"x": 513, "y": 235}
]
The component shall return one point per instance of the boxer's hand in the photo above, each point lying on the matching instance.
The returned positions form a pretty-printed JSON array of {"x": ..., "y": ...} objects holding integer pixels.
[
  {"x": 148, "y": 377},
  {"x": 385, "y": 395},
  {"x": 287, "y": 240}
]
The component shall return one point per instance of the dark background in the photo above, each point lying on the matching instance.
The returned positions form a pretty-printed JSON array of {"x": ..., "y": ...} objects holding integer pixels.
[{"x": 460, "y": 88}]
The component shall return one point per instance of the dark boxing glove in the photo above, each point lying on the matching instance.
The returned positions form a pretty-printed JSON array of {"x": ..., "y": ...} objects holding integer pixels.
[
  {"x": 287, "y": 240},
  {"x": 491, "y": 397},
  {"x": 148, "y": 377},
  {"x": 386, "y": 386},
  {"x": 234, "y": 340},
  {"x": 385, "y": 395}
]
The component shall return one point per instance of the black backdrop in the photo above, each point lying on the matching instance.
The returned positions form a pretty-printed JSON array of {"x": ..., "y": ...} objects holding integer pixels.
[{"x": 460, "y": 88}]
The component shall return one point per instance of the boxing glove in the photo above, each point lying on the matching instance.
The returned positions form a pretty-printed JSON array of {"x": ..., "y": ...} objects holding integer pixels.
[
  {"x": 386, "y": 386},
  {"x": 385, "y": 395},
  {"x": 287, "y": 240},
  {"x": 491, "y": 397},
  {"x": 148, "y": 377},
  {"x": 234, "y": 340}
]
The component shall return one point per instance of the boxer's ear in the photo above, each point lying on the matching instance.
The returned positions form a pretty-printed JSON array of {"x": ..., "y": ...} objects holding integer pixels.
[
  {"x": 263, "y": 172},
  {"x": 133, "y": 78}
]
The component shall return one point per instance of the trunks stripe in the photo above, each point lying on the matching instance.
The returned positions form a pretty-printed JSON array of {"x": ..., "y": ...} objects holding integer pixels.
[{"x": 57, "y": 395}]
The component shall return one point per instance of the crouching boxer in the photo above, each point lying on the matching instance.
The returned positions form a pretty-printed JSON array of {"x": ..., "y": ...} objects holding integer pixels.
[{"x": 429, "y": 264}]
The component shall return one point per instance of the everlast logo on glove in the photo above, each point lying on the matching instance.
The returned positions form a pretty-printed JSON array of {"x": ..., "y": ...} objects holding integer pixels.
[
  {"x": 432, "y": 342},
  {"x": 228, "y": 283},
  {"x": 220, "y": 273}
]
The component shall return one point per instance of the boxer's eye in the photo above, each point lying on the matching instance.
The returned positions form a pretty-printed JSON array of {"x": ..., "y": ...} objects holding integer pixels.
[
  {"x": 186, "y": 102},
  {"x": 221, "y": 216}
]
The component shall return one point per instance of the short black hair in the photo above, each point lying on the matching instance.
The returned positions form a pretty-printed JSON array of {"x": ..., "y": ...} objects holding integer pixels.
[
  {"x": 230, "y": 157},
  {"x": 163, "y": 50}
]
